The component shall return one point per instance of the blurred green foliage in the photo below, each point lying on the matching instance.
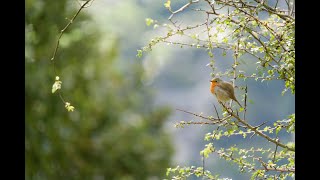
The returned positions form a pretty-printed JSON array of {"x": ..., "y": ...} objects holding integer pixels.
[{"x": 114, "y": 132}]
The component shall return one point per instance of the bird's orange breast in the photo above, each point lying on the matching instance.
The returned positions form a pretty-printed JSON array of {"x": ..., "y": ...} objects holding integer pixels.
[{"x": 213, "y": 84}]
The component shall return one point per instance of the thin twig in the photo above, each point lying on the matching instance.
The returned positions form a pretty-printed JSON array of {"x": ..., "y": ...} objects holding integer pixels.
[
  {"x": 66, "y": 27},
  {"x": 215, "y": 108},
  {"x": 203, "y": 166},
  {"x": 215, "y": 132},
  {"x": 281, "y": 169},
  {"x": 196, "y": 123},
  {"x": 275, "y": 152},
  {"x": 276, "y": 4},
  {"x": 274, "y": 11},
  {"x": 235, "y": 64},
  {"x": 182, "y": 8},
  {"x": 203, "y": 117},
  {"x": 256, "y": 127},
  {"x": 208, "y": 33},
  {"x": 292, "y": 9},
  {"x": 254, "y": 133},
  {"x": 245, "y": 102},
  {"x": 266, "y": 168}
]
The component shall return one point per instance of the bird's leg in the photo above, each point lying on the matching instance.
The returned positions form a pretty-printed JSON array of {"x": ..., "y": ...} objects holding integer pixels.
[
  {"x": 230, "y": 104},
  {"x": 226, "y": 105}
]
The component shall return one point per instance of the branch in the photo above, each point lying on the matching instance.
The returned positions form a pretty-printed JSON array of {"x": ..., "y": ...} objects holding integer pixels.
[
  {"x": 182, "y": 8},
  {"x": 266, "y": 8},
  {"x": 267, "y": 168},
  {"x": 58, "y": 42},
  {"x": 274, "y": 11},
  {"x": 225, "y": 155},
  {"x": 235, "y": 62},
  {"x": 195, "y": 123},
  {"x": 250, "y": 31},
  {"x": 245, "y": 102},
  {"x": 267, "y": 27},
  {"x": 275, "y": 152},
  {"x": 215, "y": 108},
  {"x": 203, "y": 117},
  {"x": 66, "y": 27},
  {"x": 280, "y": 169},
  {"x": 255, "y": 129}
]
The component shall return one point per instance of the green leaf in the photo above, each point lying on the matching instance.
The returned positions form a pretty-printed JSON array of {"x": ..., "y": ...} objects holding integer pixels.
[
  {"x": 56, "y": 85},
  {"x": 168, "y": 171},
  {"x": 257, "y": 173},
  {"x": 225, "y": 40},
  {"x": 271, "y": 164},
  {"x": 206, "y": 151},
  {"x": 254, "y": 23},
  {"x": 155, "y": 26},
  {"x": 278, "y": 129},
  {"x": 261, "y": 49},
  {"x": 291, "y": 144},
  {"x": 207, "y": 137},
  {"x": 244, "y": 135},
  {"x": 224, "y": 53},
  {"x": 69, "y": 107},
  {"x": 149, "y": 21},
  {"x": 230, "y": 131},
  {"x": 139, "y": 54},
  {"x": 194, "y": 36},
  {"x": 210, "y": 54},
  {"x": 270, "y": 72},
  {"x": 168, "y": 4}
]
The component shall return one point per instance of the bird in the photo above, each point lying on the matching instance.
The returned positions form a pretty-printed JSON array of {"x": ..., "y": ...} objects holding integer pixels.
[{"x": 223, "y": 90}]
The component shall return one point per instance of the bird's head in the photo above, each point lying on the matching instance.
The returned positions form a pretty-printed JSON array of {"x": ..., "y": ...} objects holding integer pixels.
[{"x": 215, "y": 81}]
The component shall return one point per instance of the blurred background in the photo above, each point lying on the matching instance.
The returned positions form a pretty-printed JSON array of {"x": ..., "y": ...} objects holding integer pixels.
[{"x": 123, "y": 125}]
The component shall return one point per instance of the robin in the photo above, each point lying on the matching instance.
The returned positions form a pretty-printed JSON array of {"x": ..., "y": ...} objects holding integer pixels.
[{"x": 223, "y": 90}]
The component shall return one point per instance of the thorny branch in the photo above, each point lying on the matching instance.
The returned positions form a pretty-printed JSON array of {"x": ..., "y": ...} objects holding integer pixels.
[
  {"x": 255, "y": 129},
  {"x": 246, "y": 125},
  {"x": 268, "y": 168},
  {"x": 216, "y": 120}
]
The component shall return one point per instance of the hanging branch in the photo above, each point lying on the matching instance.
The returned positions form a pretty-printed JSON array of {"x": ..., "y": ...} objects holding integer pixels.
[
  {"x": 66, "y": 27},
  {"x": 57, "y": 84}
]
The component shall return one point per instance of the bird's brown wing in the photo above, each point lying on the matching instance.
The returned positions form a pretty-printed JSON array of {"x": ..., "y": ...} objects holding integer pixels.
[
  {"x": 227, "y": 87},
  {"x": 230, "y": 90}
]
